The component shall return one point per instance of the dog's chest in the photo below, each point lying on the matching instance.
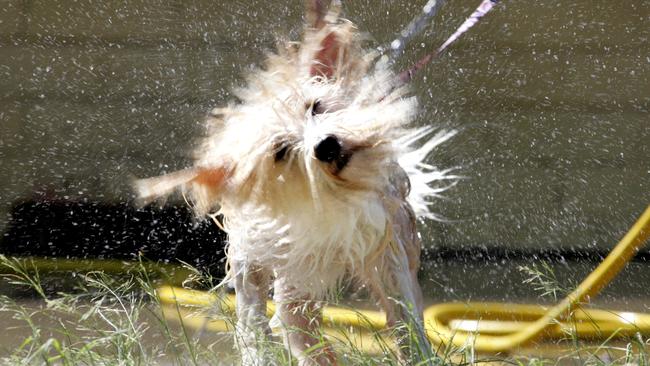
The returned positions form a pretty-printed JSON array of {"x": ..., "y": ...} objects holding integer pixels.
[{"x": 311, "y": 247}]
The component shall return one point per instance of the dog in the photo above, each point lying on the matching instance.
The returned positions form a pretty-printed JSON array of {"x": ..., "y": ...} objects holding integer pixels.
[{"x": 319, "y": 177}]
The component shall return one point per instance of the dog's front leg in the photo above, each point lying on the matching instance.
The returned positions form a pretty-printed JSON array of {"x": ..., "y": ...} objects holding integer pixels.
[
  {"x": 400, "y": 296},
  {"x": 252, "y": 285},
  {"x": 393, "y": 280},
  {"x": 407, "y": 310},
  {"x": 300, "y": 321}
]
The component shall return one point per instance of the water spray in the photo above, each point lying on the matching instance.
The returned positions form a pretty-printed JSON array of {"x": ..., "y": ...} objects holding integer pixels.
[{"x": 407, "y": 75}]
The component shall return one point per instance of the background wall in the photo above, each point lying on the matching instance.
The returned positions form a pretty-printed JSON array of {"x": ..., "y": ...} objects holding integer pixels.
[{"x": 551, "y": 99}]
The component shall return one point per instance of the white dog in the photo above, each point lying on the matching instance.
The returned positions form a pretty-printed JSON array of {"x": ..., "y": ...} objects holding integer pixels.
[{"x": 318, "y": 179}]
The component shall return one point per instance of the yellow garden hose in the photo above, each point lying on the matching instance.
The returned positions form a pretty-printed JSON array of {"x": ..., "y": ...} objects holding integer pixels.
[
  {"x": 437, "y": 317},
  {"x": 332, "y": 316},
  {"x": 161, "y": 272},
  {"x": 486, "y": 330}
]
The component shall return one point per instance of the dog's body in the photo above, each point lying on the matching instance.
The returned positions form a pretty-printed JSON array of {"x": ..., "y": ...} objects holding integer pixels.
[{"x": 317, "y": 180}]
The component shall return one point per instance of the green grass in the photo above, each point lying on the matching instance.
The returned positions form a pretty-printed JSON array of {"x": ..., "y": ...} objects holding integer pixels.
[{"x": 102, "y": 319}]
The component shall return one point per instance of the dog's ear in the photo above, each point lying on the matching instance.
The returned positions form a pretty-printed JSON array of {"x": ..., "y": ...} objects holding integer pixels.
[
  {"x": 211, "y": 179},
  {"x": 331, "y": 43},
  {"x": 327, "y": 58},
  {"x": 316, "y": 10}
]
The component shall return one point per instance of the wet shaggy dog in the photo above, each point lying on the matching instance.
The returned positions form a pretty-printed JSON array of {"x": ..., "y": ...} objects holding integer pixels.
[{"x": 319, "y": 177}]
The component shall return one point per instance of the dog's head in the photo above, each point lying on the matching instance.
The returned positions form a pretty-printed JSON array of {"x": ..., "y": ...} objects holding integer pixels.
[{"x": 320, "y": 122}]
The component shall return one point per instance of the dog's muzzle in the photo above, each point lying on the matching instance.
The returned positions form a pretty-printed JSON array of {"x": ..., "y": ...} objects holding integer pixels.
[{"x": 328, "y": 150}]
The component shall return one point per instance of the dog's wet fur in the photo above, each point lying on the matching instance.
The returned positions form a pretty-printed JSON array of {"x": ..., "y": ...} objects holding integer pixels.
[{"x": 319, "y": 177}]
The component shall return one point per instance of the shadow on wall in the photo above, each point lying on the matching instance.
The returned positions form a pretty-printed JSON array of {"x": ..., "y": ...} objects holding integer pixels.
[
  {"x": 57, "y": 228},
  {"x": 95, "y": 230}
]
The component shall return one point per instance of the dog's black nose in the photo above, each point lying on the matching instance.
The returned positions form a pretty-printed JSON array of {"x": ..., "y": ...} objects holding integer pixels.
[{"x": 328, "y": 150}]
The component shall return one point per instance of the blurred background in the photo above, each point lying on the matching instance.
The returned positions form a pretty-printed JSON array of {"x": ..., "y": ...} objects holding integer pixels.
[{"x": 550, "y": 99}]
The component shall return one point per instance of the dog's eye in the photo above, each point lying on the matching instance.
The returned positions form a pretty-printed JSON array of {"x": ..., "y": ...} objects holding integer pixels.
[
  {"x": 281, "y": 151},
  {"x": 317, "y": 107}
]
